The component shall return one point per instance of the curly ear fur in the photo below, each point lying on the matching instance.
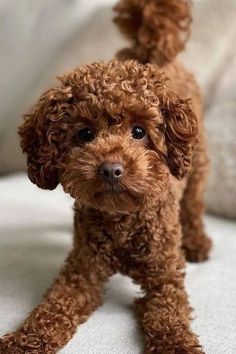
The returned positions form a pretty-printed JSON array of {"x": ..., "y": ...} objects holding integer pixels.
[
  {"x": 181, "y": 130},
  {"x": 39, "y": 140},
  {"x": 159, "y": 29}
]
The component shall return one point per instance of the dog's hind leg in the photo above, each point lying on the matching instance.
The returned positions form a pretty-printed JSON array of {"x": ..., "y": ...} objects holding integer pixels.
[{"x": 195, "y": 242}]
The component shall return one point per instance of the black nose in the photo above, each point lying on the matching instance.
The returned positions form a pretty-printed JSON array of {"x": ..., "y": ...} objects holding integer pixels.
[{"x": 111, "y": 172}]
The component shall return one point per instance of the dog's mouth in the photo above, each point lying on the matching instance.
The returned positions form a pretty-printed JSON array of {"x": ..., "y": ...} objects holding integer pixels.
[
  {"x": 115, "y": 203},
  {"x": 112, "y": 189},
  {"x": 115, "y": 198},
  {"x": 113, "y": 192}
]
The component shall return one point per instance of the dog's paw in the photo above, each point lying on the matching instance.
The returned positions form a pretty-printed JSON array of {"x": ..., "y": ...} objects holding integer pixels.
[
  {"x": 185, "y": 351},
  {"x": 9, "y": 345},
  {"x": 19, "y": 343},
  {"x": 178, "y": 350},
  {"x": 198, "y": 252},
  {"x": 174, "y": 342}
]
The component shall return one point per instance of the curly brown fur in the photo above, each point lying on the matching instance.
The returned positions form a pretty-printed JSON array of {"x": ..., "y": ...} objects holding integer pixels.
[
  {"x": 158, "y": 29},
  {"x": 137, "y": 225}
]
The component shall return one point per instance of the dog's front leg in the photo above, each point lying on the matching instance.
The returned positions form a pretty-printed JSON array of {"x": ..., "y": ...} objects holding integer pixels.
[
  {"x": 74, "y": 295},
  {"x": 165, "y": 321},
  {"x": 164, "y": 311}
]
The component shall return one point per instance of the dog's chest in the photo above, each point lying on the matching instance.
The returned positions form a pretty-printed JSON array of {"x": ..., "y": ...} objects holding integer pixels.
[{"x": 128, "y": 238}]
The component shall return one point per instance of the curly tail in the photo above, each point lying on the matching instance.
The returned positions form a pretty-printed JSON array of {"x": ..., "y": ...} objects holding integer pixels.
[{"x": 158, "y": 29}]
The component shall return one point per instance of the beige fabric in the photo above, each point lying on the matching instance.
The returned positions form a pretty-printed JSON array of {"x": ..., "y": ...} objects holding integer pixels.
[
  {"x": 44, "y": 39},
  {"x": 212, "y": 56}
]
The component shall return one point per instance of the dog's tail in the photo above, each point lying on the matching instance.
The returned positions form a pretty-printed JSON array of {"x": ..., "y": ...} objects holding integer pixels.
[{"x": 158, "y": 29}]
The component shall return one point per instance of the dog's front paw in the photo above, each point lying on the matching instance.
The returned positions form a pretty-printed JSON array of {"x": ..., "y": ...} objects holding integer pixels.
[
  {"x": 153, "y": 349},
  {"x": 198, "y": 251},
  {"x": 9, "y": 345},
  {"x": 188, "y": 350},
  {"x": 19, "y": 343},
  {"x": 177, "y": 342}
]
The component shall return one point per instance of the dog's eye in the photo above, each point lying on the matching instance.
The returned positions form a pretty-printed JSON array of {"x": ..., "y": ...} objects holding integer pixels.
[
  {"x": 86, "y": 135},
  {"x": 138, "y": 132}
]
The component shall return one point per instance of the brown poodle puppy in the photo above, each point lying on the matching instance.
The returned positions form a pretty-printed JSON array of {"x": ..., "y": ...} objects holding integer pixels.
[{"x": 125, "y": 140}]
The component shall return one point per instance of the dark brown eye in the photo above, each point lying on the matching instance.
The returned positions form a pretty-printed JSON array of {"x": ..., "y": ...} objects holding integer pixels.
[
  {"x": 138, "y": 132},
  {"x": 86, "y": 135}
]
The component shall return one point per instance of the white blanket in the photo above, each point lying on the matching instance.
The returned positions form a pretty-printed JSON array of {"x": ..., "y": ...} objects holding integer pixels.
[{"x": 35, "y": 236}]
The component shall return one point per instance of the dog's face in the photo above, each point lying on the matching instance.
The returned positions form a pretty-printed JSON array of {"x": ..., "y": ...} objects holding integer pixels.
[{"x": 110, "y": 134}]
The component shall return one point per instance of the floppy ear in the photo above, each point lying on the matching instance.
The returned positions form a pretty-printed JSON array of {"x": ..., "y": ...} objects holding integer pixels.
[
  {"x": 40, "y": 140},
  {"x": 181, "y": 129}
]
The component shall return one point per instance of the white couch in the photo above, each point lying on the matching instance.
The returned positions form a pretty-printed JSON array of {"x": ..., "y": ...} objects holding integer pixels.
[{"x": 35, "y": 236}]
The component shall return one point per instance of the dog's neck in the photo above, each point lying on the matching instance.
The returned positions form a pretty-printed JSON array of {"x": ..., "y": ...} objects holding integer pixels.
[
  {"x": 118, "y": 231},
  {"x": 149, "y": 209}
]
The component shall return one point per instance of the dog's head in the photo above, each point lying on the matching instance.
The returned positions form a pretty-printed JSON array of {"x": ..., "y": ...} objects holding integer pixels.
[{"x": 110, "y": 134}]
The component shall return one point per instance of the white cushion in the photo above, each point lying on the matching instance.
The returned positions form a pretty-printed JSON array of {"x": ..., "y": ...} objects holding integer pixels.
[
  {"x": 211, "y": 56},
  {"x": 35, "y": 236}
]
